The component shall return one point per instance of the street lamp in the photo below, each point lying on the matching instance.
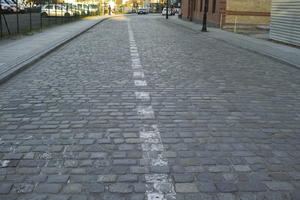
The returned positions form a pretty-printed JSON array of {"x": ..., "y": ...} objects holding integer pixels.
[
  {"x": 204, "y": 21},
  {"x": 167, "y": 11}
]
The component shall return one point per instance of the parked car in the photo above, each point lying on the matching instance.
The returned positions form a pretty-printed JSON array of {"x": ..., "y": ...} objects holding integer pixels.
[
  {"x": 142, "y": 11},
  {"x": 21, "y": 7},
  {"x": 83, "y": 8},
  {"x": 12, "y": 5},
  {"x": 57, "y": 10},
  {"x": 164, "y": 11},
  {"x": 74, "y": 9},
  {"x": 5, "y": 7},
  {"x": 174, "y": 11}
]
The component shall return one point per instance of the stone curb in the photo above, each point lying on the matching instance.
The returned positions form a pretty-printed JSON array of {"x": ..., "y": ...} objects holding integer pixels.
[{"x": 26, "y": 62}]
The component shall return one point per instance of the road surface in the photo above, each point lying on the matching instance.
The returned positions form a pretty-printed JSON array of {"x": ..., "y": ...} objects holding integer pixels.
[{"x": 138, "y": 108}]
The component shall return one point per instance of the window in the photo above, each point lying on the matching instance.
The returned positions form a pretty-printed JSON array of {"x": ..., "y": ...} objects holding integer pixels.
[
  {"x": 201, "y": 5},
  {"x": 194, "y": 5},
  {"x": 214, "y": 6}
]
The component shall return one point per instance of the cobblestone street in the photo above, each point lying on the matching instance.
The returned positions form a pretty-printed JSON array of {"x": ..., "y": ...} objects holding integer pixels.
[{"x": 138, "y": 108}]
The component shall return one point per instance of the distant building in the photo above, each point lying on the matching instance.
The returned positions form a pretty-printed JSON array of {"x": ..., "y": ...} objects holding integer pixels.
[
  {"x": 156, "y": 5},
  {"x": 228, "y": 12}
]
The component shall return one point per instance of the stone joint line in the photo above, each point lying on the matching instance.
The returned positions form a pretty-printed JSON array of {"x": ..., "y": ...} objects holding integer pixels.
[{"x": 158, "y": 186}]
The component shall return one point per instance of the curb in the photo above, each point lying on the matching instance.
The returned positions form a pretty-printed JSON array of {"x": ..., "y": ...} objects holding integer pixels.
[{"x": 23, "y": 64}]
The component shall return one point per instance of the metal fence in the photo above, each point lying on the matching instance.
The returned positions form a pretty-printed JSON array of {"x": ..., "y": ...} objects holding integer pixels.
[{"x": 32, "y": 17}]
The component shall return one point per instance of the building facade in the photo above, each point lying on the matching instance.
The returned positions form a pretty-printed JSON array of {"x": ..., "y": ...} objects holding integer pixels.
[{"x": 222, "y": 13}]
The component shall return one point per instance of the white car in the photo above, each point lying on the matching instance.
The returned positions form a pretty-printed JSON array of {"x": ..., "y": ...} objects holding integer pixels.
[
  {"x": 83, "y": 8},
  {"x": 164, "y": 11},
  {"x": 12, "y": 5},
  {"x": 5, "y": 7},
  {"x": 21, "y": 6},
  {"x": 93, "y": 8},
  {"x": 57, "y": 10},
  {"x": 142, "y": 11}
]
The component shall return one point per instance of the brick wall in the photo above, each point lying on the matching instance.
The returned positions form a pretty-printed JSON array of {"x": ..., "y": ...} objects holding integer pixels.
[
  {"x": 227, "y": 12},
  {"x": 194, "y": 11}
]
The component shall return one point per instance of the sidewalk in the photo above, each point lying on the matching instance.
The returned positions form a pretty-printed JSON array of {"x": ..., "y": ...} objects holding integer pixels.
[
  {"x": 18, "y": 55},
  {"x": 281, "y": 52}
]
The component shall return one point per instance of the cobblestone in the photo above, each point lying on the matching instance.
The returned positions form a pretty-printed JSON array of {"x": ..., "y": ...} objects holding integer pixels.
[
  {"x": 72, "y": 188},
  {"x": 107, "y": 178},
  {"x": 23, "y": 188},
  {"x": 228, "y": 119},
  {"x": 48, "y": 188},
  {"x": 5, "y": 188},
  {"x": 277, "y": 186},
  {"x": 226, "y": 187},
  {"x": 186, "y": 188},
  {"x": 120, "y": 188},
  {"x": 57, "y": 178}
]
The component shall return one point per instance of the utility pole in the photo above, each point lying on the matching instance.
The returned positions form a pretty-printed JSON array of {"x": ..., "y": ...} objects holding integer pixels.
[
  {"x": 167, "y": 11},
  {"x": 204, "y": 21}
]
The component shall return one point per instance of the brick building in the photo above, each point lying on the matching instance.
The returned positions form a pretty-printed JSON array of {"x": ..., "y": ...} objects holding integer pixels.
[{"x": 228, "y": 12}]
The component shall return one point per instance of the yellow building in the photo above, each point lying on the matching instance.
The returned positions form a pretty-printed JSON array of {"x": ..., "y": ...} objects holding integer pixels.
[
  {"x": 247, "y": 12},
  {"x": 227, "y": 13}
]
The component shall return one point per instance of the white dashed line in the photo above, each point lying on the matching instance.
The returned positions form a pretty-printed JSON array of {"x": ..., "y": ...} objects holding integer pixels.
[
  {"x": 145, "y": 112},
  {"x": 140, "y": 83},
  {"x": 138, "y": 74},
  {"x": 158, "y": 186},
  {"x": 144, "y": 96}
]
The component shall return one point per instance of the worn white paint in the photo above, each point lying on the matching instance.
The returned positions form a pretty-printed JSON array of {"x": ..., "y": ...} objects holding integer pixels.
[
  {"x": 134, "y": 54},
  {"x": 152, "y": 147},
  {"x": 138, "y": 74},
  {"x": 155, "y": 196},
  {"x": 140, "y": 83},
  {"x": 158, "y": 186},
  {"x": 148, "y": 134},
  {"x": 4, "y": 163},
  {"x": 144, "y": 96},
  {"x": 46, "y": 156},
  {"x": 136, "y": 66},
  {"x": 159, "y": 161},
  {"x": 145, "y": 112}
]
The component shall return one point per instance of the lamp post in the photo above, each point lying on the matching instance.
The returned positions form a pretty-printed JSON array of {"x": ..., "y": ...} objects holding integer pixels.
[
  {"x": 204, "y": 21},
  {"x": 1, "y": 31},
  {"x": 167, "y": 10}
]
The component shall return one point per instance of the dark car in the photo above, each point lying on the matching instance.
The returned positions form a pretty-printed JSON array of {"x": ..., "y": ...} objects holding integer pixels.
[{"x": 142, "y": 11}]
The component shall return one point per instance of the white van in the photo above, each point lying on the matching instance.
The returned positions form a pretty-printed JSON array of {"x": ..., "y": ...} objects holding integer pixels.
[{"x": 56, "y": 10}]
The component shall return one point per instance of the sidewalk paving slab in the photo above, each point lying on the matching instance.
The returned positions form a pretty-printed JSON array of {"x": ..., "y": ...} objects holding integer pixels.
[
  {"x": 281, "y": 52},
  {"x": 18, "y": 55}
]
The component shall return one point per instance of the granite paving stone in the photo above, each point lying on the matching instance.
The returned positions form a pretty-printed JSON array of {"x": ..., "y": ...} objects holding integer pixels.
[{"x": 228, "y": 119}]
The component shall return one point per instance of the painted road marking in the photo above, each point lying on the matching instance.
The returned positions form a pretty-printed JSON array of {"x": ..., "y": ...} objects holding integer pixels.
[
  {"x": 145, "y": 112},
  {"x": 140, "y": 83},
  {"x": 138, "y": 74},
  {"x": 136, "y": 66},
  {"x": 144, "y": 96},
  {"x": 158, "y": 186}
]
